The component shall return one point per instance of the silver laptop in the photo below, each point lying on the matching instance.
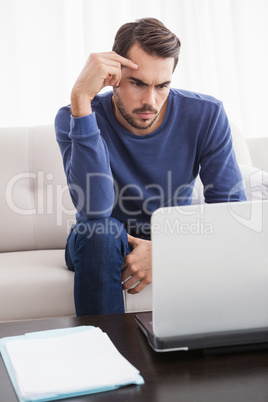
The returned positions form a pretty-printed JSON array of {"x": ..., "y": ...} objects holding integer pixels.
[{"x": 210, "y": 277}]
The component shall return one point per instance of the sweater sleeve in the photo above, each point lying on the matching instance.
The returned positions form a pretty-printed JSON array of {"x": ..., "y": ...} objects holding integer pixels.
[
  {"x": 219, "y": 170},
  {"x": 86, "y": 163}
]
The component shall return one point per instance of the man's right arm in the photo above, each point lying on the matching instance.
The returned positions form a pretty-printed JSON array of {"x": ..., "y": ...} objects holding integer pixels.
[
  {"x": 86, "y": 164},
  {"x": 85, "y": 154}
]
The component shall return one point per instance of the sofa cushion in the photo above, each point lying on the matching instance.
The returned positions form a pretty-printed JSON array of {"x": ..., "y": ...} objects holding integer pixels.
[
  {"x": 35, "y": 284},
  {"x": 139, "y": 302}
]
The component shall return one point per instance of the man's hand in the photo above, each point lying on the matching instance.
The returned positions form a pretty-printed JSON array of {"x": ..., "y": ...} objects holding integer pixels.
[
  {"x": 100, "y": 70},
  {"x": 137, "y": 265}
]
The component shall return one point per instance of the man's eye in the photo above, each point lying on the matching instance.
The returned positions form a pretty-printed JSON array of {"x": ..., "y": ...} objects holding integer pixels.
[
  {"x": 136, "y": 84},
  {"x": 162, "y": 86}
]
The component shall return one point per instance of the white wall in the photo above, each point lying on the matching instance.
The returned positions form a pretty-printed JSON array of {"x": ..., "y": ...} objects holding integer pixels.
[{"x": 44, "y": 44}]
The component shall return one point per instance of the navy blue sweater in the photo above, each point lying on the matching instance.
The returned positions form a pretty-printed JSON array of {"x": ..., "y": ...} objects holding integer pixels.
[{"x": 112, "y": 172}]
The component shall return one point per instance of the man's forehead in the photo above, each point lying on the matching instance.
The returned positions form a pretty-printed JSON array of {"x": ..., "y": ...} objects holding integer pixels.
[{"x": 150, "y": 67}]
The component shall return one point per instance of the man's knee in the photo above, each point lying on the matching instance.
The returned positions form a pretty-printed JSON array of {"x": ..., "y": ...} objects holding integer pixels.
[{"x": 101, "y": 232}]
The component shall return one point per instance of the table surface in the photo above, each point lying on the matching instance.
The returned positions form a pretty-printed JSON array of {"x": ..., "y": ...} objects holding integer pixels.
[{"x": 172, "y": 376}]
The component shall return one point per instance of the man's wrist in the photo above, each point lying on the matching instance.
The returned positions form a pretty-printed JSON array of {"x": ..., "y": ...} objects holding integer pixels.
[{"x": 80, "y": 105}]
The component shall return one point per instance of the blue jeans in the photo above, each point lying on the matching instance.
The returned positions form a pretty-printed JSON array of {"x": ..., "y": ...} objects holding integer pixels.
[{"x": 95, "y": 251}]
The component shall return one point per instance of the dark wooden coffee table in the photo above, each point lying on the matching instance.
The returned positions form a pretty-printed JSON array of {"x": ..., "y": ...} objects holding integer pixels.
[{"x": 173, "y": 376}]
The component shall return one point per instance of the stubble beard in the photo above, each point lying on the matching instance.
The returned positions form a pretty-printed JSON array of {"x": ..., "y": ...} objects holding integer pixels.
[{"x": 130, "y": 119}]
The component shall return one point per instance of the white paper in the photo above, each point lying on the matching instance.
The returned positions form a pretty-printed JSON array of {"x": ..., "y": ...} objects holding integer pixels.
[{"x": 69, "y": 363}]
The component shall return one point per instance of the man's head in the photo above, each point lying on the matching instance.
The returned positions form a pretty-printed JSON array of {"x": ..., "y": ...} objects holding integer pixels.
[
  {"x": 140, "y": 100},
  {"x": 151, "y": 35}
]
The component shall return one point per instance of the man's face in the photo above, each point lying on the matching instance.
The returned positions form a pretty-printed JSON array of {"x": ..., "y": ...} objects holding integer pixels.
[{"x": 140, "y": 100}]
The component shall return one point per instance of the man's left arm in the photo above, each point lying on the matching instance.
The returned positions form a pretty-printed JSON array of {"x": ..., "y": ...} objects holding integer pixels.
[{"x": 219, "y": 170}]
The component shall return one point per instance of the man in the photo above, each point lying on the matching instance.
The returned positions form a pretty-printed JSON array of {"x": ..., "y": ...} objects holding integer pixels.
[{"x": 130, "y": 151}]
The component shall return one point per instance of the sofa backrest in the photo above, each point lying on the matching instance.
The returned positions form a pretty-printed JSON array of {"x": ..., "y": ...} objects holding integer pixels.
[
  {"x": 35, "y": 206},
  {"x": 242, "y": 152}
]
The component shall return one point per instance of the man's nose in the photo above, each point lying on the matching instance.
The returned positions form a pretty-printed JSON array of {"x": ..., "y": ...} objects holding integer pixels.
[{"x": 149, "y": 97}]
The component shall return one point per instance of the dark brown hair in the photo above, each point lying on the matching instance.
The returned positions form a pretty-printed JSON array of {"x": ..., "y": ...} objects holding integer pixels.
[{"x": 151, "y": 35}]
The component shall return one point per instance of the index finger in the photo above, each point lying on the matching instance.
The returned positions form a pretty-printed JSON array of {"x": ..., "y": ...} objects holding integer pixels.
[{"x": 127, "y": 62}]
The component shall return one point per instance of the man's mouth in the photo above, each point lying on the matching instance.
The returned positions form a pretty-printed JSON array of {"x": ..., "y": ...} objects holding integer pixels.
[{"x": 145, "y": 115}]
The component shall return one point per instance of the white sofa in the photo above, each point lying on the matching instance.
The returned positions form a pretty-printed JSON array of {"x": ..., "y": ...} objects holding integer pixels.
[{"x": 37, "y": 213}]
